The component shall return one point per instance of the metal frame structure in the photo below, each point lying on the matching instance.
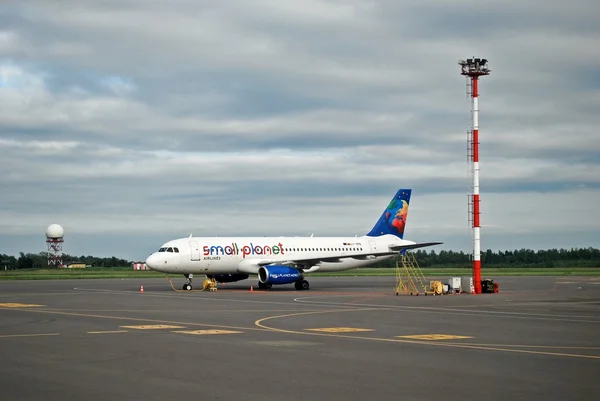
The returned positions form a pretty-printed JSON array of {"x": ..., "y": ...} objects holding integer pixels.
[
  {"x": 55, "y": 251},
  {"x": 409, "y": 276}
]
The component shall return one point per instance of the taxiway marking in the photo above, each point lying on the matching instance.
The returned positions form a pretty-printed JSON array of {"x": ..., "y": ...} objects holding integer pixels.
[
  {"x": 153, "y": 327},
  {"x": 18, "y": 305},
  {"x": 205, "y": 332},
  {"x": 434, "y": 337},
  {"x": 28, "y": 335},
  {"x": 340, "y": 329},
  {"x": 261, "y": 327},
  {"x": 260, "y": 323}
]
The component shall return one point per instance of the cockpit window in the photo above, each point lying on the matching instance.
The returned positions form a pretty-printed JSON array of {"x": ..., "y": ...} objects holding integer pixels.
[{"x": 169, "y": 249}]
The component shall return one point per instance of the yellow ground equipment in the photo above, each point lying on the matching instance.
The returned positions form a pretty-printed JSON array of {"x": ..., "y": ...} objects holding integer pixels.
[
  {"x": 409, "y": 277},
  {"x": 209, "y": 284},
  {"x": 436, "y": 287}
]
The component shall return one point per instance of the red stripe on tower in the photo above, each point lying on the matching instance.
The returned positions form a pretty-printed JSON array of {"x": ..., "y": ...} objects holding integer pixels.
[{"x": 476, "y": 210}]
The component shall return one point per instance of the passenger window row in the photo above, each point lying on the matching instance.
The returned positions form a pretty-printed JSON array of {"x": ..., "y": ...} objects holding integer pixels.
[
  {"x": 321, "y": 249},
  {"x": 176, "y": 250}
]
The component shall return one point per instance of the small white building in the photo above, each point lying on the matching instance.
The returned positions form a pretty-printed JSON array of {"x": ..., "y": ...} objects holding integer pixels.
[{"x": 139, "y": 266}]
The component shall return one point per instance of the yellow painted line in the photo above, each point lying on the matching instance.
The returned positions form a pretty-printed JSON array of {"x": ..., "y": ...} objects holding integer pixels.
[
  {"x": 107, "y": 332},
  {"x": 340, "y": 329},
  {"x": 262, "y": 327},
  {"x": 139, "y": 319},
  {"x": 260, "y": 324},
  {"x": 204, "y": 332},
  {"x": 153, "y": 327},
  {"x": 45, "y": 294},
  {"x": 531, "y": 346},
  {"x": 434, "y": 337},
  {"x": 27, "y": 335},
  {"x": 17, "y": 305}
]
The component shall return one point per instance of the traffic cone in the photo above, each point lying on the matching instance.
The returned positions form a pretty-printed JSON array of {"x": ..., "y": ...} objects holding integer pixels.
[
  {"x": 251, "y": 288},
  {"x": 142, "y": 288}
]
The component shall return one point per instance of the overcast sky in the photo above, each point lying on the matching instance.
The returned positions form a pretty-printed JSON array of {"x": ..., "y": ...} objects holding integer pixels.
[{"x": 134, "y": 122}]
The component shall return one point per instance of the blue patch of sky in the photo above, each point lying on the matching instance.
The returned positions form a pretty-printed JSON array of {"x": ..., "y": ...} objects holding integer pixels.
[
  {"x": 10, "y": 17},
  {"x": 94, "y": 82},
  {"x": 586, "y": 78}
]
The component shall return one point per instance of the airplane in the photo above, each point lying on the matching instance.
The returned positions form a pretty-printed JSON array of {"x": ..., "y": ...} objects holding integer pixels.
[{"x": 286, "y": 260}]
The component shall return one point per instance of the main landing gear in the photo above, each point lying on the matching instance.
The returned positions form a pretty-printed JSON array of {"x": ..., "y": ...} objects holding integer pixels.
[
  {"x": 188, "y": 282},
  {"x": 302, "y": 285},
  {"x": 264, "y": 286}
]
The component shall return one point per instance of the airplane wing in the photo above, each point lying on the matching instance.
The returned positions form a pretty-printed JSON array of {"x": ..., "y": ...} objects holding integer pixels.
[{"x": 308, "y": 264}]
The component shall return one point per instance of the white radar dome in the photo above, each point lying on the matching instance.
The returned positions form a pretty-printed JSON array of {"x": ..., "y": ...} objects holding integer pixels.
[{"x": 54, "y": 231}]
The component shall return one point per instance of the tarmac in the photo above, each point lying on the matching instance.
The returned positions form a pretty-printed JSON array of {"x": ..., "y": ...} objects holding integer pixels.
[{"x": 347, "y": 338}]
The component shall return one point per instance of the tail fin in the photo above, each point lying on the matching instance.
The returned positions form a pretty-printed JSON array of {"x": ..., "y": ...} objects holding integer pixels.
[{"x": 393, "y": 219}]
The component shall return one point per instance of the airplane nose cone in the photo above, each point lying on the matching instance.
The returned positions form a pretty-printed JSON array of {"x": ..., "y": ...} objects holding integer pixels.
[{"x": 151, "y": 261}]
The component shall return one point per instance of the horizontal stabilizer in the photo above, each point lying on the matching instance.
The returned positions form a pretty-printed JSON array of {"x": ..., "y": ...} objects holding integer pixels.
[{"x": 413, "y": 246}]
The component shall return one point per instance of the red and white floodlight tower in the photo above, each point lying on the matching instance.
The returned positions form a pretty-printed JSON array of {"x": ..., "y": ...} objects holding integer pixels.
[
  {"x": 474, "y": 68},
  {"x": 54, "y": 239}
]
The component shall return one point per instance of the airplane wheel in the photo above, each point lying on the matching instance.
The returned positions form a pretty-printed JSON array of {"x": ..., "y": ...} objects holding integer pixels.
[
  {"x": 187, "y": 287},
  {"x": 264, "y": 286},
  {"x": 302, "y": 285}
]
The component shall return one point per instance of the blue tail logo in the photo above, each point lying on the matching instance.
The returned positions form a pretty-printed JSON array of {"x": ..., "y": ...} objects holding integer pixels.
[{"x": 393, "y": 219}]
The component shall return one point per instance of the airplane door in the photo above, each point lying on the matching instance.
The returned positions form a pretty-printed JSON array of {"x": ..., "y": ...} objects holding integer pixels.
[
  {"x": 373, "y": 245},
  {"x": 195, "y": 250}
]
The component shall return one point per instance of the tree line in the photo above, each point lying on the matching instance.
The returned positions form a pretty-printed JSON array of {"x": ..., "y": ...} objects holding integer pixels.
[
  {"x": 520, "y": 258},
  {"x": 40, "y": 260},
  {"x": 574, "y": 257}
]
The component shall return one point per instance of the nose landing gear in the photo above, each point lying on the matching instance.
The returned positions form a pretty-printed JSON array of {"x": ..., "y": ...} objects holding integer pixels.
[{"x": 188, "y": 282}]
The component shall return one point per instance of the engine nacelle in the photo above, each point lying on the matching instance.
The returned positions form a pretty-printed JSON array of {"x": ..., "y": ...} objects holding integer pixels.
[
  {"x": 279, "y": 275},
  {"x": 228, "y": 278}
]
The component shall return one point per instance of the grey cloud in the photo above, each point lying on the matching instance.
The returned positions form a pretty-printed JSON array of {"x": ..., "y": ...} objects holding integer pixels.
[{"x": 128, "y": 118}]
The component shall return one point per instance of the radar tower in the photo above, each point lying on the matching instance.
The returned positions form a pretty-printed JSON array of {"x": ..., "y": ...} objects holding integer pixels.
[{"x": 54, "y": 239}]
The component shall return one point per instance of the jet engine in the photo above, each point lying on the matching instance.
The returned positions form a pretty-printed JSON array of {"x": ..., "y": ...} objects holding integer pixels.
[
  {"x": 279, "y": 275},
  {"x": 227, "y": 278}
]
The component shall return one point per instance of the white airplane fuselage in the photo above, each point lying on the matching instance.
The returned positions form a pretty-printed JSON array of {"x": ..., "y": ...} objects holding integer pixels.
[{"x": 231, "y": 255}]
